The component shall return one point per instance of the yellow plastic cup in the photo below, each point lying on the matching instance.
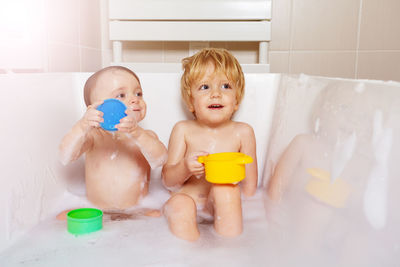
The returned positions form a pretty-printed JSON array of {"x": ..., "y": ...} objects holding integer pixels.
[{"x": 226, "y": 167}]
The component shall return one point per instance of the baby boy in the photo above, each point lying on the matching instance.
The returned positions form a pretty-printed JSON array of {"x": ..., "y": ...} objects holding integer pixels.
[{"x": 117, "y": 164}]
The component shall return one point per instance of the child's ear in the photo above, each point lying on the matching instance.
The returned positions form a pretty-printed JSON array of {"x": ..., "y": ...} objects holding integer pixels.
[
  {"x": 236, "y": 106},
  {"x": 190, "y": 107}
]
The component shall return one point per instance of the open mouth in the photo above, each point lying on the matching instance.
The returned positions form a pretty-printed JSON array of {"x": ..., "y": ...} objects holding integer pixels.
[
  {"x": 134, "y": 108},
  {"x": 215, "y": 106}
]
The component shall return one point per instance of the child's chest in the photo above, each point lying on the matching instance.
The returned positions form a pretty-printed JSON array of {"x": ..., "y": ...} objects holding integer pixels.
[
  {"x": 213, "y": 141},
  {"x": 115, "y": 145}
]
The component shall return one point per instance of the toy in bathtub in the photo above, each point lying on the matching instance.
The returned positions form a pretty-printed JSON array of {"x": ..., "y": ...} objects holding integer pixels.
[
  {"x": 226, "y": 167},
  {"x": 322, "y": 188},
  {"x": 113, "y": 110},
  {"x": 84, "y": 221}
]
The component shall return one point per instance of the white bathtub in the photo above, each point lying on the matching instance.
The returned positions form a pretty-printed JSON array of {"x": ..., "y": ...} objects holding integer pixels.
[{"x": 38, "y": 109}]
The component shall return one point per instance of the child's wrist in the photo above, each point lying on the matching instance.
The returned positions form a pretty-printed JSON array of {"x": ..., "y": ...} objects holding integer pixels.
[
  {"x": 136, "y": 133},
  {"x": 83, "y": 126}
]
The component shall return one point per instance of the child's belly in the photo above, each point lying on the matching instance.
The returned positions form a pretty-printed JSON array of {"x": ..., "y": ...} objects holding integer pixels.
[{"x": 116, "y": 186}]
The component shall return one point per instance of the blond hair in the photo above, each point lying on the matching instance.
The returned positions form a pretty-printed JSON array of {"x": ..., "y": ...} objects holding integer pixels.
[
  {"x": 91, "y": 82},
  {"x": 194, "y": 67}
]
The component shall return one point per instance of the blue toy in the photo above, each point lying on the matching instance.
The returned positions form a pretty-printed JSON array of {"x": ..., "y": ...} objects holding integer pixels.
[{"x": 113, "y": 110}]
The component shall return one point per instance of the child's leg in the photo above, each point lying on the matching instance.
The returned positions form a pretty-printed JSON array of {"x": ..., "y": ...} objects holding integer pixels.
[
  {"x": 62, "y": 216},
  {"x": 181, "y": 212},
  {"x": 227, "y": 206}
]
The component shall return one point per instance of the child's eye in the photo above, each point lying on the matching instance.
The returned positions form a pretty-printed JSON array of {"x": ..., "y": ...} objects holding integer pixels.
[
  {"x": 140, "y": 94},
  {"x": 204, "y": 87},
  {"x": 122, "y": 95},
  {"x": 226, "y": 86}
]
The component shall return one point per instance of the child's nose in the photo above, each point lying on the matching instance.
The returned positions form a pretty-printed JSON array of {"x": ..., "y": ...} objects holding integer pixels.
[
  {"x": 134, "y": 99},
  {"x": 215, "y": 92}
]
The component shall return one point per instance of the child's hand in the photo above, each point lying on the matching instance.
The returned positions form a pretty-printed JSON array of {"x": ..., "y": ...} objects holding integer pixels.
[
  {"x": 128, "y": 124},
  {"x": 195, "y": 168},
  {"x": 92, "y": 117}
]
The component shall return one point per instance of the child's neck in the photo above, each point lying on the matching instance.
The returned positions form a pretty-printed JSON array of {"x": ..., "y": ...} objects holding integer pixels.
[{"x": 209, "y": 125}]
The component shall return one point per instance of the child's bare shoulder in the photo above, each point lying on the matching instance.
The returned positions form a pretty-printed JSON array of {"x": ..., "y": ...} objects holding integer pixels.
[
  {"x": 151, "y": 133},
  {"x": 243, "y": 128},
  {"x": 302, "y": 141},
  {"x": 183, "y": 126},
  {"x": 303, "y": 138}
]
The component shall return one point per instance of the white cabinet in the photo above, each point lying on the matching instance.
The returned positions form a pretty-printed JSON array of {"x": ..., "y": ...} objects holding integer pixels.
[{"x": 190, "y": 20}]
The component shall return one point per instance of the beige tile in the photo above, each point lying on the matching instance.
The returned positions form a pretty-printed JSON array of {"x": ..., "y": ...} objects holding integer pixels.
[
  {"x": 174, "y": 52},
  {"x": 90, "y": 24},
  {"x": 90, "y": 59},
  {"x": 331, "y": 64},
  {"x": 325, "y": 25},
  {"x": 142, "y": 51},
  {"x": 279, "y": 61},
  {"x": 63, "y": 58},
  {"x": 62, "y": 21},
  {"x": 218, "y": 44},
  {"x": 280, "y": 25},
  {"x": 245, "y": 52},
  {"x": 380, "y": 22},
  {"x": 106, "y": 57},
  {"x": 379, "y": 65},
  {"x": 16, "y": 54}
]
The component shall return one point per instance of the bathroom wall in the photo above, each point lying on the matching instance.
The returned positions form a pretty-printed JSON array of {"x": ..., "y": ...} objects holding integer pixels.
[
  {"x": 74, "y": 35},
  {"x": 50, "y": 36},
  {"x": 342, "y": 38}
]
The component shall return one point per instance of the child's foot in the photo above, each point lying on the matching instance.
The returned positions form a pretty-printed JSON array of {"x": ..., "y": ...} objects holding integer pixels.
[
  {"x": 62, "y": 216},
  {"x": 122, "y": 216},
  {"x": 152, "y": 213}
]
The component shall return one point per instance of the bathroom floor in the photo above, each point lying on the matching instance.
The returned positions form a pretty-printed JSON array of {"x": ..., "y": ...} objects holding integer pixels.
[{"x": 142, "y": 241}]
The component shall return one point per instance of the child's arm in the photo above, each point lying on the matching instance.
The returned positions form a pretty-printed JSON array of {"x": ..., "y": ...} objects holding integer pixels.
[
  {"x": 151, "y": 147},
  {"x": 248, "y": 147},
  {"x": 78, "y": 140},
  {"x": 179, "y": 167},
  {"x": 285, "y": 167}
]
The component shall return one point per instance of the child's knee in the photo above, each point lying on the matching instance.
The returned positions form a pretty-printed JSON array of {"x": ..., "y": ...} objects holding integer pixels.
[
  {"x": 180, "y": 211},
  {"x": 180, "y": 203}
]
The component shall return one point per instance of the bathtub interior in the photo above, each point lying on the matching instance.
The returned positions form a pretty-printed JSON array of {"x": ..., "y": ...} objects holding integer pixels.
[
  {"x": 41, "y": 108},
  {"x": 300, "y": 229}
]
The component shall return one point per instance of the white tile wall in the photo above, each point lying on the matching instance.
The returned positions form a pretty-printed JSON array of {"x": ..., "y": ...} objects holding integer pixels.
[
  {"x": 345, "y": 38},
  {"x": 64, "y": 35},
  {"x": 342, "y": 38}
]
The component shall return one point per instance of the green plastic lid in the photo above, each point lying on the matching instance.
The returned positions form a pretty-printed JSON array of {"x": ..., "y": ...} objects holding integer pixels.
[{"x": 84, "y": 221}]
